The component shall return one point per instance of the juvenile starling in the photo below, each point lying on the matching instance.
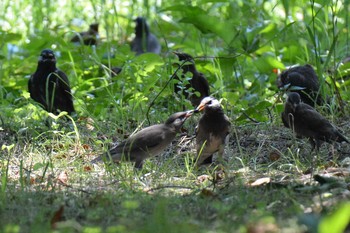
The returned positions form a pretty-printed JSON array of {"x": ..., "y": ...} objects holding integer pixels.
[
  {"x": 49, "y": 86},
  {"x": 144, "y": 41},
  {"x": 198, "y": 82},
  {"x": 212, "y": 130},
  {"x": 148, "y": 142},
  {"x": 305, "y": 121},
  {"x": 89, "y": 37},
  {"x": 302, "y": 77}
]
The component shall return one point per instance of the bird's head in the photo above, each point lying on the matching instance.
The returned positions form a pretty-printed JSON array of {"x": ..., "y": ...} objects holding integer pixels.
[
  {"x": 208, "y": 104},
  {"x": 141, "y": 26},
  {"x": 47, "y": 55},
  {"x": 293, "y": 99},
  {"x": 178, "y": 119},
  {"x": 183, "y": 56},
  {"x": 94, "y": 27},
  {"x": 187, "y": 61}
]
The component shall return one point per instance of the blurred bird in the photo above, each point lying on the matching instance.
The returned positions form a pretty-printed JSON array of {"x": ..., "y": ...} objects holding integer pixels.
[
  {"x": 305, "y": 121},
  {"x": 303, "y": 80},
  {"x": 144, "y": 41},
  {"x": 49, "y": 86},
  {"x": 89, "y": 37},
  {"x": 212, "y": 130},
  {"x": 148, "y": 142},
  {"x": 198, "y": 82}
]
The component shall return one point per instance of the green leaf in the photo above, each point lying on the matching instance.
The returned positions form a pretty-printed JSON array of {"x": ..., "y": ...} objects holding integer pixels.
[{"x": 337, "y": 221}]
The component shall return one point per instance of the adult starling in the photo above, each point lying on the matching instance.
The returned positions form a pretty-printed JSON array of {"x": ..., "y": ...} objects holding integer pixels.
[
  {"x": 144, "y": 41},
  {"x": 302, "y": 77},
  {"x": 212, "y": 130},
  {"x": 49, "y": 86},
  {"x": 148, "y": 142},
  {"x": 198, "y": 82},
  {"x": 89, "y": 37},
  {"x": 305, "y": 121}
]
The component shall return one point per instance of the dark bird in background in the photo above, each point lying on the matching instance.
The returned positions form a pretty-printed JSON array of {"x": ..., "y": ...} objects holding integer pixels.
[
  {"x": 197, "y": 85},
  {"x": 49, "y": 86},
  {"x": 89, "y": 37},
  {"x": 212, "y": 130},
  {"x": 144, "y": 41},
  {"x": 303, "y": 77},
  {"x": 148, "y": 142},
  {"x": 306, "y": 122}
]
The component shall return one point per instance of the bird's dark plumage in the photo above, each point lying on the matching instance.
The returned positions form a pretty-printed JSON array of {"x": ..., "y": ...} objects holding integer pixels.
[
  {"x": 303, "y": 77},
  {"x": 89, "y": 37},
  {"x": 148, "y": 142},
  {"x": 198, "y": 82},
  {"x": 49, "y": 86},
  {"x": 212, "y": 130},
  {"x": 144, "y": 41},
  {"x": 305, "y": 121}
]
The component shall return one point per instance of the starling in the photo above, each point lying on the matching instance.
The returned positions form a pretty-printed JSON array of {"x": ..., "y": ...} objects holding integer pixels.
[
  {"x": 144, "y": 41},
  {"x": 306, "y": 122},
  {"x": 304, "y": 81},
  {"x": 212, "y": 130},
  {"x": 198, "y": 82},
  {"x": 49, "y": 86},
  {"x": 89, "y": 37},
  {"x": 148, "y": 142}
]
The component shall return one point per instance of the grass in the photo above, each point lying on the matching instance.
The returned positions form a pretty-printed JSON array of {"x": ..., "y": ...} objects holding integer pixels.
[{"x": 52, "y": 171}]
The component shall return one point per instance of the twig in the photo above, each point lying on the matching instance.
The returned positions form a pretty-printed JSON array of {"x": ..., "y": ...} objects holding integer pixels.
[
  {"x": 168, "y": 186},
  {"x": 153, "y": 101},
  {"x": 253, "y": 120}
]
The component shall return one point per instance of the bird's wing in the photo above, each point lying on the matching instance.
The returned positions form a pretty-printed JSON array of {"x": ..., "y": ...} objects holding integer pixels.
[
  {"x": 145, "y": 139},
  {"x": 63, "y": 93},
  {"x": 314, "y": 120}
]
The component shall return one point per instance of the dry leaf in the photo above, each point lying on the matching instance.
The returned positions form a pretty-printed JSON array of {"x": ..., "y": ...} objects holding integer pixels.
[
  {"x": 57, "y": 217},
  {"x": 202, "y": 178},
  {"x": 261, "y": 181},
  {"x": 63, "y": 177},
  {"x": 87, "y": 168},
  {"x": 274, "y": 156}
]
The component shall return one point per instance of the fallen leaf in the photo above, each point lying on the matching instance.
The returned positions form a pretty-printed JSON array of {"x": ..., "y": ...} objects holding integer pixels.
[
  {"x": 261, "y": 181},
  {"x": 57, "y": 217},
  {"x": 202, "y": 178},
  {"x": 274, "y": 156},
  {"x": 63, "y": 177},
  {"x": 87, "y": 168}
]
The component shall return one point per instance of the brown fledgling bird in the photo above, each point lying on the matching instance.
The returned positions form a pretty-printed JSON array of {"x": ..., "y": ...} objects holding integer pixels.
[
  {"x": 89, "y": 37},
  {"x": 144, "y": 41},
  {"x": 148, "y": 142},
  {"x": 305, "y": 121},
  {"x": 303, "y": 80},
  {"x": 212, "y": 130},
  {"x": 198, "y": 84},
  {"x": 49, "y": 86}
]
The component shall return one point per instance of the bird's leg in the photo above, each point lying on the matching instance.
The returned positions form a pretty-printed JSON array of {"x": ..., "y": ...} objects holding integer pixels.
[
  {"x": 138, "y": 164},
  {"x": 208, "y": 160}
]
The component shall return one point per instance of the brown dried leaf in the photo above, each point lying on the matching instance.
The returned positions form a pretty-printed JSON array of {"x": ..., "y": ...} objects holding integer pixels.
[
  {"x": 87, "y": 168},
  {"x": 57, "y": 217}
]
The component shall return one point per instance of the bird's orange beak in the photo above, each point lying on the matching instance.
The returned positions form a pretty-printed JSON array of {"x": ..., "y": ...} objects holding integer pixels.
[{"x": 199, "y": 108}]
